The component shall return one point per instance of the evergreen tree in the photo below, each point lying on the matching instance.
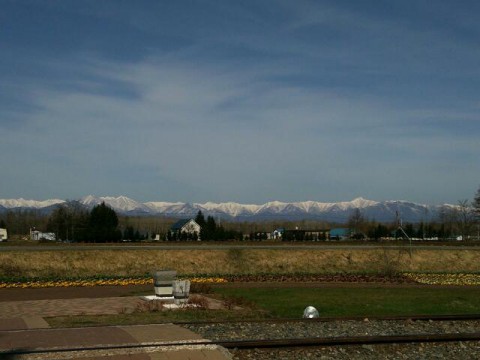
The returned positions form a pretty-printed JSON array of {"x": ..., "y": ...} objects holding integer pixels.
[
  {"x": 57, "y": 223},
  {"x": 210, "y": 229},
  {"x": 200, "y": 219},
  {"x": 128, "y": 233},
  {"x": 409, "y": 230},
  {"x": 420, "y": 233},
  {"x": 378, "y": 232},
  {"x": 103, "y": 224}
]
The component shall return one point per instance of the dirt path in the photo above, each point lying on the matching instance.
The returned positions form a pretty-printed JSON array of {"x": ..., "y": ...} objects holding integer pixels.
[{"x": 72, "y": 292}]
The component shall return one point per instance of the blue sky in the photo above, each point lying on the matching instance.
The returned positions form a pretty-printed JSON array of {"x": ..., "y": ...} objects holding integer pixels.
[{"x": 245, "y": 101}]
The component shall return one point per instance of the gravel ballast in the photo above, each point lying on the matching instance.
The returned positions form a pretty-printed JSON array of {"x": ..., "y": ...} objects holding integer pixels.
[{"x": 329, "y": 329}]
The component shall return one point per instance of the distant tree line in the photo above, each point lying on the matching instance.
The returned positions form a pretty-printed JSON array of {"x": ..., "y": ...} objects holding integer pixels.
[
  {"x": 211, "y": 231},
  {"x": 461, "y": 220},
  {"x": 181, "y": 236},
  {"x": 71, "y": 221},
  {"x": 19, "y": 222},
  {"x": 132, "y": 234}
]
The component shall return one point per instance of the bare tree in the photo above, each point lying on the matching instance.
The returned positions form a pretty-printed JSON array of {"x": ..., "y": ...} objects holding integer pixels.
[
  {"x": 356, "y": 223},
  {"x": 448, "y": 217},
  {"x": 464, "y": 219},
  {"x": 476, "y": 211}
]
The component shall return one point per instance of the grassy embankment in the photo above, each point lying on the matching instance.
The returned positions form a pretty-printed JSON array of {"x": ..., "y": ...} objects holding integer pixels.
[{"x": 84, "y": 263}]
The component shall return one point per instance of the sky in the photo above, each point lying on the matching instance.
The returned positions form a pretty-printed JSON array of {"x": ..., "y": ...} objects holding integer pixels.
[{"x": 245, "y": 101}]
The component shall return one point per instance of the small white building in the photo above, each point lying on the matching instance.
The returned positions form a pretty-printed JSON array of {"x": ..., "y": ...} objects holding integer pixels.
[
  {"x": 3, "y": 234},
  {"x": 38, "y": 235},
  {"x": 278, "y": 233}
]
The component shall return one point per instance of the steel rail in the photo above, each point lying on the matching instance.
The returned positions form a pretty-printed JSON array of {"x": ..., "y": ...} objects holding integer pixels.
[
  {"x": 418, "y": 317},
  {"x": 268, "y": 343},
  {"x": 348, "y": 340}
]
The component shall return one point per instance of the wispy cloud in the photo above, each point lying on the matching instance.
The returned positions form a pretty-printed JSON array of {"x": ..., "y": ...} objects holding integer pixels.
[{"x": 301, "y": 102}]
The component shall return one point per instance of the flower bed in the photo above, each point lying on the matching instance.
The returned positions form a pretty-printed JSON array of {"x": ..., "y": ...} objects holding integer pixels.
[
  {"x": 445, "y": 279},
  {"x": 404, "y": 278},
  {"x": 321, "y": 278},
  {"x": 96, "y": 282}
]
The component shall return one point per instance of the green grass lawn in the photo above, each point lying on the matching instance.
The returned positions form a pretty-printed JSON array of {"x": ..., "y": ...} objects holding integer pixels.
[
  {"x": 152, "y": 318},
  {"x": 364, "y": 301},
  {"x": 282, "y": 302}
]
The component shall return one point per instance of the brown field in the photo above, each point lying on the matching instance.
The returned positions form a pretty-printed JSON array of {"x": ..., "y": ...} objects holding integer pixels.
[{"x": 234, "y": 261}]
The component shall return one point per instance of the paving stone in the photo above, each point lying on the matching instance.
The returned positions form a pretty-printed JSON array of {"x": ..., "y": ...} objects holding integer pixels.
[
  {"x": 79, "y": 338},
  {"x": 65, "y": 307},
  {"x": 12, "y": 324},
  {"x": 16, "y": 316},
  {"x": 161, "y": 332},
  {"x": 64, "y": 338},
  {"x": 35, "y": 322}
]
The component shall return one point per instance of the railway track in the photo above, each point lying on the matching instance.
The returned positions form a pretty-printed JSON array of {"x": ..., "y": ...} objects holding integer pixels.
[
  {"x": 237, "y": 345},
  {"x": 419, "y": 317}
]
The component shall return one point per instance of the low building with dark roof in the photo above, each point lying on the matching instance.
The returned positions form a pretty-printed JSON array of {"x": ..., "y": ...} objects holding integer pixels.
[{"x": 340, "y": 234}]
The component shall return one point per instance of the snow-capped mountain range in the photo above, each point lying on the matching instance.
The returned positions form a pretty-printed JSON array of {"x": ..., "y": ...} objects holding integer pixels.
[{"x": 337, "y": 212}]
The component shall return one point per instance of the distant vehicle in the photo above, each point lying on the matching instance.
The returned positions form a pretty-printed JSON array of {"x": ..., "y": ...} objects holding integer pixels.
[{"x": 3, "y": 235}]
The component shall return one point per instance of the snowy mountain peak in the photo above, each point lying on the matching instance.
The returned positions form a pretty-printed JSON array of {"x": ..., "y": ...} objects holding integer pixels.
[
  {"x": 121, "y": 203},
  {"x": 162, "y": 204},
  {"x": 273, "y": 205},
  {"x": 231, "y": 208},
  {"x": 90, "y": 200},
  {"x": 335, "y": 212},
  {"x": 361, "y": 202},
  {"x": 34, "y": 204}
]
